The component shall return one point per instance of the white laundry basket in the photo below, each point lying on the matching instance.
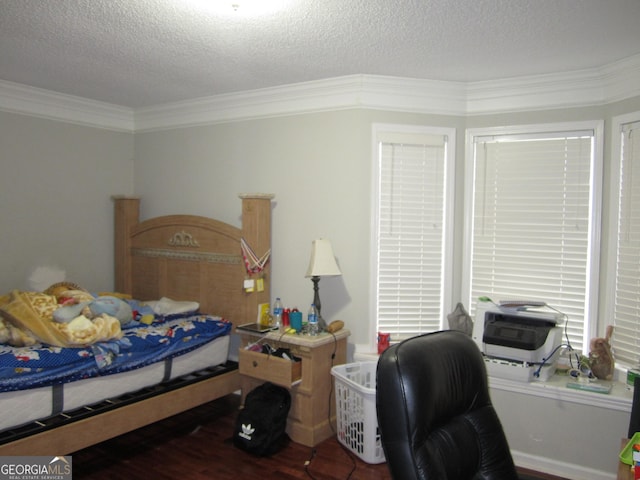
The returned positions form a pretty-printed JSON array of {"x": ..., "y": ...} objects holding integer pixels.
[{"x": 357, "y": 422}]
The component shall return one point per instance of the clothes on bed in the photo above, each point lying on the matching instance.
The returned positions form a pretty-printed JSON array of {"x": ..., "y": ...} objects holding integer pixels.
[
  {"x": 66, "y": 333},
  {"x": 141, "y": 345},
  {"x": 94, "y": 307},
  {"x": 168, "y": 306},
  {"x": 27, "y": 319},
  {"x": 66, "y": 315}
]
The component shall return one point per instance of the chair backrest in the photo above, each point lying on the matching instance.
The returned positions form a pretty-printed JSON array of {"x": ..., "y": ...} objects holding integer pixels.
[{"x": 435, "y": 414}]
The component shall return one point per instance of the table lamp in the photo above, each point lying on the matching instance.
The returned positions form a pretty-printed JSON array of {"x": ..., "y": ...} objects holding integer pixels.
[{"x": 322, "y": 264}]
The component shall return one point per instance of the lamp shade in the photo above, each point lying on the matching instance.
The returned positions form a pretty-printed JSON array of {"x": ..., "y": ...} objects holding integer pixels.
[{"x": 323, "y": 262}]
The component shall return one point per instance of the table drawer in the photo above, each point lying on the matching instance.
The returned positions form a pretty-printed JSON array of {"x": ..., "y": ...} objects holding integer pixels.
[{"x": 270, "y": 368}]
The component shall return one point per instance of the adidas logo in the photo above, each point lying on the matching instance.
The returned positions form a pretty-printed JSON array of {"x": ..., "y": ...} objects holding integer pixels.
[{"x": 247, "y": 431}]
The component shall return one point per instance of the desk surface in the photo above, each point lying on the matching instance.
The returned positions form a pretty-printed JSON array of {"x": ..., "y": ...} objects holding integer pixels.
[
  {"x": 624, "y": 471},
  {"x": 297, "y": 339}
]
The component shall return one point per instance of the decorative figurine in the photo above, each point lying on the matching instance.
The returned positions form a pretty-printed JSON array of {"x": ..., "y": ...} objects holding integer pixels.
[{"x": 600, "y": 356}]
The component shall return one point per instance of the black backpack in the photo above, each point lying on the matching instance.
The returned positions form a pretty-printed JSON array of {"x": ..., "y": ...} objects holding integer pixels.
[{"x": 261, "y": 424}]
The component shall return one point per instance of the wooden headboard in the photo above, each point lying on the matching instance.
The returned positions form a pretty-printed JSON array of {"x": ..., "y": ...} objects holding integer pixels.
[{"x": 189, "y": 257}]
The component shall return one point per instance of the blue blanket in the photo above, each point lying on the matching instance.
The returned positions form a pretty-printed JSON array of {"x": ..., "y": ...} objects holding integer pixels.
[{"x": 141, "y": 345}]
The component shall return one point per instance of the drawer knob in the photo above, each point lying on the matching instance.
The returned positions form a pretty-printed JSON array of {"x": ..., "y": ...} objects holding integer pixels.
[{"x": 255, "y": 364}]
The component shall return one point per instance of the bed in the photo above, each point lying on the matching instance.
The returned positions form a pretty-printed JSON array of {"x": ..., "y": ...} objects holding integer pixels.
[{"x": 176, "y": 260}]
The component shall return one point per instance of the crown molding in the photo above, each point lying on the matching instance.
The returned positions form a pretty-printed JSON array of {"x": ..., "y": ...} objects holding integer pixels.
[
  {"x": 622, "y": 79},
  {"x": 541, "y": 92},
  {"x": 18, "y": 98},
  {"x": 339, "y": 93},
  {"x": 612, "y": 83}
]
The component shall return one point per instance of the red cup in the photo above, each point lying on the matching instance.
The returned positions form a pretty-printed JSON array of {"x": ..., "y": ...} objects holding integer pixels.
[{"x": 383, "y": 341}]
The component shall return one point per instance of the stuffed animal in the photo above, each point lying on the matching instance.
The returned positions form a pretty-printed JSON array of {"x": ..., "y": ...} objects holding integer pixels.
[
  {"x": 107, "y": 305},
  {"x": 600, "y": 356}
]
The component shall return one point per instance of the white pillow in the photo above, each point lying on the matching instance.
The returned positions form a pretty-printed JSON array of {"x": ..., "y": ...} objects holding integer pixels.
[{"x": 166, "y": 306}]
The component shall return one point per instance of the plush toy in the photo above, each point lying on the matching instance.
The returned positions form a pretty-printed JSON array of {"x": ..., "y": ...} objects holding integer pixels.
[
  {"x": 108, "y": 305},
  {"x": 63, "y": 289},
  {"x": 600, "y": 356}
]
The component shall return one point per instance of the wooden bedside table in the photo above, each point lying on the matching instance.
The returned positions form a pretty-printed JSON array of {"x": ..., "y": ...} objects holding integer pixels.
[{"x": 313, "y": 396}]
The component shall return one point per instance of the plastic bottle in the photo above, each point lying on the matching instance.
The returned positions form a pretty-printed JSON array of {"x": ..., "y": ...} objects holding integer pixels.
[
  {"x": 312, "y": 320},
  {"x": 277, "y": 313}
]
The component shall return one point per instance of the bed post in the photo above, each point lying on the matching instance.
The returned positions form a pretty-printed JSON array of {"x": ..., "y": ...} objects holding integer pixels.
[
  {"x": 126, "y": 214},
  {"x": 256, "y": 230}
]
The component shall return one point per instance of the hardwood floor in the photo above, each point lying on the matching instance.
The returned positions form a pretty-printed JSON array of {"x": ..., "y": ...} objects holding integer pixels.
[{"x": 197, "y": 445}]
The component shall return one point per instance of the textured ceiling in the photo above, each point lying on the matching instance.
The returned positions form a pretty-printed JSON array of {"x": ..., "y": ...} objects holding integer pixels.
[{"x": 139, "y": 53}]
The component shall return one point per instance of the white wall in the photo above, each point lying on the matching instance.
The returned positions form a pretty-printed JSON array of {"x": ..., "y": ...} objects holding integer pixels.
[
  {"x": 56, "y": 180},
  {"x": 316, "y": 165},
  {"x": 568, "y": 433}
]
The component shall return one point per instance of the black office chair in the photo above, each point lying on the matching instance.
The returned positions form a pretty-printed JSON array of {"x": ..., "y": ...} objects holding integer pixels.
[{"x": 434, "y": 412}]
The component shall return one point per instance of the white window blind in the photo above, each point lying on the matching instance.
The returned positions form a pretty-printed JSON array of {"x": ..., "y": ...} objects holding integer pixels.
[
  {"x": 410, "y": 233},
  {"x": 626, "y": 337},
  {"x": 531, "y": 221}
]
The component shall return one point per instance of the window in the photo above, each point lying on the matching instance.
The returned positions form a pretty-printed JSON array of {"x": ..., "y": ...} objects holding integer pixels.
[
  {"x": 533, "y": 219},
  {"x": 626, "y": 296},
  {"x": 413, "y": 192}
]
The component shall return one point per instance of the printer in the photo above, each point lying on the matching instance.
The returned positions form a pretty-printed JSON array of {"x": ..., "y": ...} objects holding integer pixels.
[{"x": 519, "y": 340}]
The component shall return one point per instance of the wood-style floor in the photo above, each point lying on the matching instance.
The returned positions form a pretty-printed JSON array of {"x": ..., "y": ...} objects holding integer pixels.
[{"x": 196, "y": 445}]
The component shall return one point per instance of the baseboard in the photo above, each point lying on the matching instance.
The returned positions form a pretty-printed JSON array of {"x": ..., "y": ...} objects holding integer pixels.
[{"x": 570, "y": 471}]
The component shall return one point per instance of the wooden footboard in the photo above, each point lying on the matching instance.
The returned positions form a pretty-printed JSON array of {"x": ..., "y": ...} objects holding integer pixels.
[{"x": 77, "y": 435}]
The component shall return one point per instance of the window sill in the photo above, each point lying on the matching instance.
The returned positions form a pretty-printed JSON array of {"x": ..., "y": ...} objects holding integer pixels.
[
  {"x": 365, "y": 356},
  {"x": 620, "y": 398}
]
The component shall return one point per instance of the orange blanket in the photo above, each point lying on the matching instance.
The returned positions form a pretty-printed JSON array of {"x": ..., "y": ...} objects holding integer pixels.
[{"x": 26, "y": 318}]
